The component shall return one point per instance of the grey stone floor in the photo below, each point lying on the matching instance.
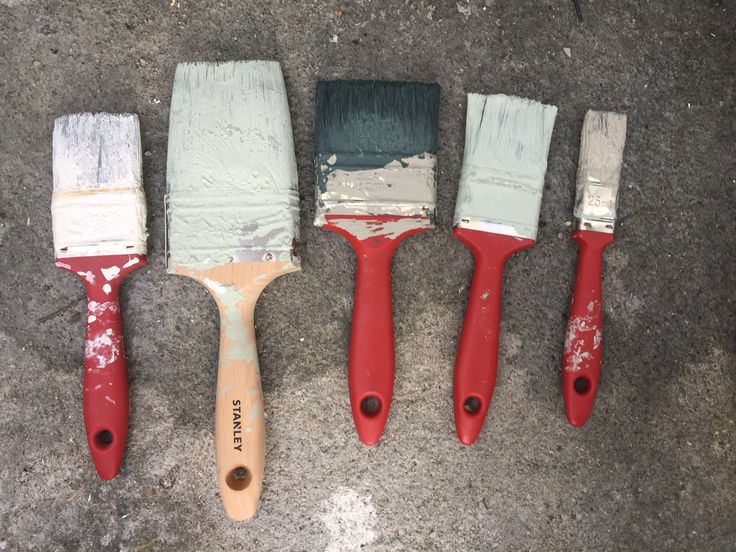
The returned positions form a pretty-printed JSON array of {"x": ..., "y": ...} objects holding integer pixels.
[{"x": 655, "y": 468}]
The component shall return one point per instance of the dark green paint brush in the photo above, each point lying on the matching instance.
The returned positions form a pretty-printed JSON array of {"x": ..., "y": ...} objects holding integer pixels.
[{"x": 375, "y": 163}]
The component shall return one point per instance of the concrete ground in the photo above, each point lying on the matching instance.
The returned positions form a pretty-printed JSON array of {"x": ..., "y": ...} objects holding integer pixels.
[{"x": 655, "y": 468}]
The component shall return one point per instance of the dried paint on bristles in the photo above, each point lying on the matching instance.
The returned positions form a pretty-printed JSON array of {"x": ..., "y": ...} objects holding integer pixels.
[
  {"x": 506, "y": 145},
  {"x": 98, "y": 206},
  {"x": 231, "y": 176},
  {"x": 396, "y": 118},
  {"x": 599, "y": 169},
  {"x": 376, "y": 144},
  {"x": 96, "y": 150}
]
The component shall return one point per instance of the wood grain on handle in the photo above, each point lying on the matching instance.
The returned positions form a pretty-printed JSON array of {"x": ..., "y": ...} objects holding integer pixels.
[
  {"x": 239, "y": 422},
  {"x": 581, "y": 357},
  {"x": 105, "y": 388}
]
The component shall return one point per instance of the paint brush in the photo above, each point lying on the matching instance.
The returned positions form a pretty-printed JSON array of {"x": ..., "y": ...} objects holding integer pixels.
[
  {"x": 506, "y": 144},
  {"x": 599, "y": 169},
  {"x": 232, "y": 225},
  {"x": 99, "y": 223},
  {"x": 375, "y": 165}
]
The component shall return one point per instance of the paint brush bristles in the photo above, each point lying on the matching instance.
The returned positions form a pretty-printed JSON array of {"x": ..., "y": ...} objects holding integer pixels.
[
  {"x": 98, "y": 204},
  {"x": 96, "y": 150},
  {"x": 376, "y": 143},
  {"x": 506, "y": 144},
  {"x": 599, "y": 168},
  {"x": 376, "y": 117},
  {"x": 232, "y": 180}
]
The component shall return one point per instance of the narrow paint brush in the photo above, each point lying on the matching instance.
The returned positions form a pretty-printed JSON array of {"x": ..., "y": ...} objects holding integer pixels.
[
  {"x": 99, "y": 224},
  {"x": 232, "y": 224},
  {"x": 506, "y": 144},
  {"x": 599, "y": 170},
  {"x": 375, "y": 163}
]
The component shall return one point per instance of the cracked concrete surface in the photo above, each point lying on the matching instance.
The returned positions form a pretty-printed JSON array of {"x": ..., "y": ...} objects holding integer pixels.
[{"x": 655, "y": 466}]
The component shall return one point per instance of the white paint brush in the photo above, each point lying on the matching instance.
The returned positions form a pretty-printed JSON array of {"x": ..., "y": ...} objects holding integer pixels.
[
  {"x": 99, "y": 225},
  {"x": 599, "y": 170}
]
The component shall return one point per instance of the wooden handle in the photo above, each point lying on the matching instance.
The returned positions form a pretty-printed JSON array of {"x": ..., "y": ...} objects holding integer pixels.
[
  {"x": 105, "y": 390},
  {"x": 240, "y": 439},
  {"x": 581, "y": 357},
  {"x": 239, "y": 424}
]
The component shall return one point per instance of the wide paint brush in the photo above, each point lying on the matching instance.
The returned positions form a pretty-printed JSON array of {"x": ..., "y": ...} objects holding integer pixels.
[
  {"x": 599, "y": 169},
  {"x": 375, "y": 163},
  {"x": 232, "y": 224},
  {"x": 506, "y": 144},
  {"x": 99, "y": 223}
]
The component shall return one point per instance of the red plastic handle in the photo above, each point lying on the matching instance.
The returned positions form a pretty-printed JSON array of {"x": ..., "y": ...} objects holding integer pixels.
[
  {"x": 371, "y": 356},
  {"x": 477, "y": 354},
  {"x": 105, "y": 391},
  {"x": 581, "y": 358}
]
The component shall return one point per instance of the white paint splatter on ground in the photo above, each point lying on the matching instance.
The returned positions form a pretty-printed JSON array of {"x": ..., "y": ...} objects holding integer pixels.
[
  {"x": 510, "y": 343},
  {"x": 620, "y": 302},
  {"x": 350, "y": 519},
  {"x": 464, "y": 9}
]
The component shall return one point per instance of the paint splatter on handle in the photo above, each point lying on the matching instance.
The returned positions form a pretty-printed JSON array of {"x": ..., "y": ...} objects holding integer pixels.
[
  {"x": 239, "y": 417},
  {"x": 476, "y": 362},
  {"x": 581, "y": 356},
  {"x": 371, "y": 356},
  {"x": 105, "y": 391},
  {"x": 240, "y": 425}
]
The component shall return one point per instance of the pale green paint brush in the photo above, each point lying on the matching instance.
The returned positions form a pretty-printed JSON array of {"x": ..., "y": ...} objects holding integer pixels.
[
  {"x": 376, "y": 144},
  {"x": 233, "y": 221},
  {"x": 498, "y": 201}
]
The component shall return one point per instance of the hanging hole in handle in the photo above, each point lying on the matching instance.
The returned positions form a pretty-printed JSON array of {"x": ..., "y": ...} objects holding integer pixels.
[
  {"x": 370, "y": 406},
  {"x": 581, "y": 385},
  {"x": 472, "y": 405},
  {"x": 103, "y": 439},
  {"x": 238, "y": 479}
]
